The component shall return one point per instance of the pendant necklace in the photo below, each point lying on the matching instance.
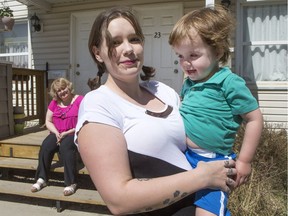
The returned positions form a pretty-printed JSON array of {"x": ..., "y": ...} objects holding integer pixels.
[{"x": 63, "y": 113}]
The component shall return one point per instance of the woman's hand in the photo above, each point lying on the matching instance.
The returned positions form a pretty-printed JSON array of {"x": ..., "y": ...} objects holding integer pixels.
[
  {"x": 62, "y": 135},
  {"x": 220, "y": 174},
  {"x": 58, "y": 136}
]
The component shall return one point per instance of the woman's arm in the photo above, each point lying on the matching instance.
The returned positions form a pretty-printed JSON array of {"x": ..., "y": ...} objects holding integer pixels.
[
  {"x": 49, "y": 123},
  {"x": 104, "y": 152}
]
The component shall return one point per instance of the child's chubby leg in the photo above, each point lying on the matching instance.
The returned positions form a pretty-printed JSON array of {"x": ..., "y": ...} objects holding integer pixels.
[{"x": 202, "y": 212}]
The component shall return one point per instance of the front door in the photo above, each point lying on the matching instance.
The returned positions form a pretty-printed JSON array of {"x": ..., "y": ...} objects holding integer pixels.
[
  {"x": 83, "y": 66},
  {"x": 156, "y": 21}
]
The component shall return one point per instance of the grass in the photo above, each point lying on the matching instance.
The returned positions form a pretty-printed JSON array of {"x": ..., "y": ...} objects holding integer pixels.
[{"x": 266, "y": 192}]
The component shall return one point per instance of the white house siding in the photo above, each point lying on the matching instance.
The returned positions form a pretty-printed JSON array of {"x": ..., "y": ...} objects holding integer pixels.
[
  {"x": 274, "y": 105},
  {"x": 52, "y": 45}
]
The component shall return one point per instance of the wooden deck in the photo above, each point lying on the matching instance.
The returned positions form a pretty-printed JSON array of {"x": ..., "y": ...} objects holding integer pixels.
[
  {"x": 32, "y": 138},
  {"x": 21, "y": 153},
  {"x": 24, "y": 146}
]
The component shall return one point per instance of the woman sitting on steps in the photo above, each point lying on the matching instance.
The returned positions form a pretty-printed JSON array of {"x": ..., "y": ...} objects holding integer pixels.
[{"x": 61, "y": 119}]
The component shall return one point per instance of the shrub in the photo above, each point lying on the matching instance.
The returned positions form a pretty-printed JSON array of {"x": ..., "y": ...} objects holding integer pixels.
[{"x": 266, "y": 192}]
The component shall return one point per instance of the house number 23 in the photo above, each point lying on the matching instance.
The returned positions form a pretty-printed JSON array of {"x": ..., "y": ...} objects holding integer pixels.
[{"x": 157, "y": 35}]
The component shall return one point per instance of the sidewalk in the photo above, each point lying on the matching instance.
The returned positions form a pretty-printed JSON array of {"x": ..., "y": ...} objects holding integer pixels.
[{"x": 24, "y": 206}]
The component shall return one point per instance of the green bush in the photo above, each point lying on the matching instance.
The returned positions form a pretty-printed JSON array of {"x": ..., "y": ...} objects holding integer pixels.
[{"x": 266, "y": 192}]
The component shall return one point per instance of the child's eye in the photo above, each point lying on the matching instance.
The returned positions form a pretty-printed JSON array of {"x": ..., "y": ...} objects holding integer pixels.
[{"x": 194, "y": 55}]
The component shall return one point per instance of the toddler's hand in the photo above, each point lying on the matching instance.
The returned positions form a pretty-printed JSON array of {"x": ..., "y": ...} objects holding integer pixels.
[{"x": 243, "y": 172}]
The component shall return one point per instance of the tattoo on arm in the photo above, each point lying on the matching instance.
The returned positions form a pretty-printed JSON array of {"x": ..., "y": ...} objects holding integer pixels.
[
  {"x": 166, "y": 202},
  {"x": 176, "y": 194}
]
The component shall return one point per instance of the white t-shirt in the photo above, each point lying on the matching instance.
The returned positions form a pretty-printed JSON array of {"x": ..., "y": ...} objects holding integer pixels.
[{"x": 154, "y": 143}]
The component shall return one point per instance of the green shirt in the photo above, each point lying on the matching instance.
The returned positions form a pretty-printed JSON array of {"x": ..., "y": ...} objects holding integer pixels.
[{"x": 211, "y": 110}]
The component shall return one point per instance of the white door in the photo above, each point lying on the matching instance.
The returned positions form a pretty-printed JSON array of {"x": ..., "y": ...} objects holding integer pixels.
[
  {"x": 157, "y": 23},
  {"x": 83, "y": 66}
]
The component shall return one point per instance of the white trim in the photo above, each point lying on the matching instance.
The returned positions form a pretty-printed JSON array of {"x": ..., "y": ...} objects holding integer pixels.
[
  {"x": 14, "y": 54},
  {"x": 222, "y": 205},
  {"x": 270, "y": 85},
  {"x": 259, "y": 43},
  {"x": 159, "y": 5},
  {"x": 72, "y": 46},
  {"x": 238, "y": 39},
  {"x": 37, "y": 3},
  {"x": 29, "y": 45},
  {"x": 261, "y": 2},
  {"x": 209, "y": 2}
]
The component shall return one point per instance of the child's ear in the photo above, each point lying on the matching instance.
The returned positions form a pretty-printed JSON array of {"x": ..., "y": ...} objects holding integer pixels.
[
  {"x": 96, "y": 52},
  {"x": 219, "y": 54}
]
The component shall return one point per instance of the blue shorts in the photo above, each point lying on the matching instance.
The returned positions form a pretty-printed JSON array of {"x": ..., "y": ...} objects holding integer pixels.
[{"x": 214, "y": 201}]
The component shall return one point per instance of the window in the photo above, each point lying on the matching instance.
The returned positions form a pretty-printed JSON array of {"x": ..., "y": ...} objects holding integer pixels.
[
  {"x": 263, "y": 42},
  {"x": 14, "y": 45}
]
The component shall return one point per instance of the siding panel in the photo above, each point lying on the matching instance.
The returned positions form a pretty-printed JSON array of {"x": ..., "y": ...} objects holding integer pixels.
[
  {"x": 275, "y": 110},
  {"x": 280, "y": 104},
  {"x": 52, "y": 44},
  {"x": 274, "y": 107},
  {"x": 273, "y": 95}
]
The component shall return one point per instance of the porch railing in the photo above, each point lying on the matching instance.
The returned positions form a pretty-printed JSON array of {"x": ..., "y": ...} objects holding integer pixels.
[{"x": 29, "y": 92}]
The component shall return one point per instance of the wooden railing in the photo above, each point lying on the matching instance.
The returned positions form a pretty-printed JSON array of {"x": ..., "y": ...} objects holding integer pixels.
[{"x": 29, "y": 92}]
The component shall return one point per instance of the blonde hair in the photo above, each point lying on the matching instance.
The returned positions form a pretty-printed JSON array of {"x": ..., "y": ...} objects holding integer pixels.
[
  {"x": 60, "y": 83},
  {"x": 214, "y": 24}
]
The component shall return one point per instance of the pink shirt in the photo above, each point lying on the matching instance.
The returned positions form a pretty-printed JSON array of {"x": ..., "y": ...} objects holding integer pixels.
[{"x": 65, "y": 118}]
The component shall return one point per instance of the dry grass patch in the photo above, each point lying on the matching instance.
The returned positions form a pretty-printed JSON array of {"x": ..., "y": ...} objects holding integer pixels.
[{"x": 266, "y": 192}]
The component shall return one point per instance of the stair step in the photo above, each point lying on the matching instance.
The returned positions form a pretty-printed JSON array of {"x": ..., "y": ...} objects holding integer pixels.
[
  {"x": 86, "y": 196},
  {"x": 31, "y": 164}
]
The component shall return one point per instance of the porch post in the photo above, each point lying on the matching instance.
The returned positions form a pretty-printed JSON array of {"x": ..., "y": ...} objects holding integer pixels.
[{"x": 209, "y": 2}]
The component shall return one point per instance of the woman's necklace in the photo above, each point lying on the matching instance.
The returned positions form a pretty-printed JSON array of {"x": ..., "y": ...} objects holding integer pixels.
[
  {"x": 66, "y": 109},
  {"x": 63, "y": 113}
]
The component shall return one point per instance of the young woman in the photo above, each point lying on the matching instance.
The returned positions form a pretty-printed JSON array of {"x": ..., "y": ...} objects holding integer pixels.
[{"x": 130, "y": 134}]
